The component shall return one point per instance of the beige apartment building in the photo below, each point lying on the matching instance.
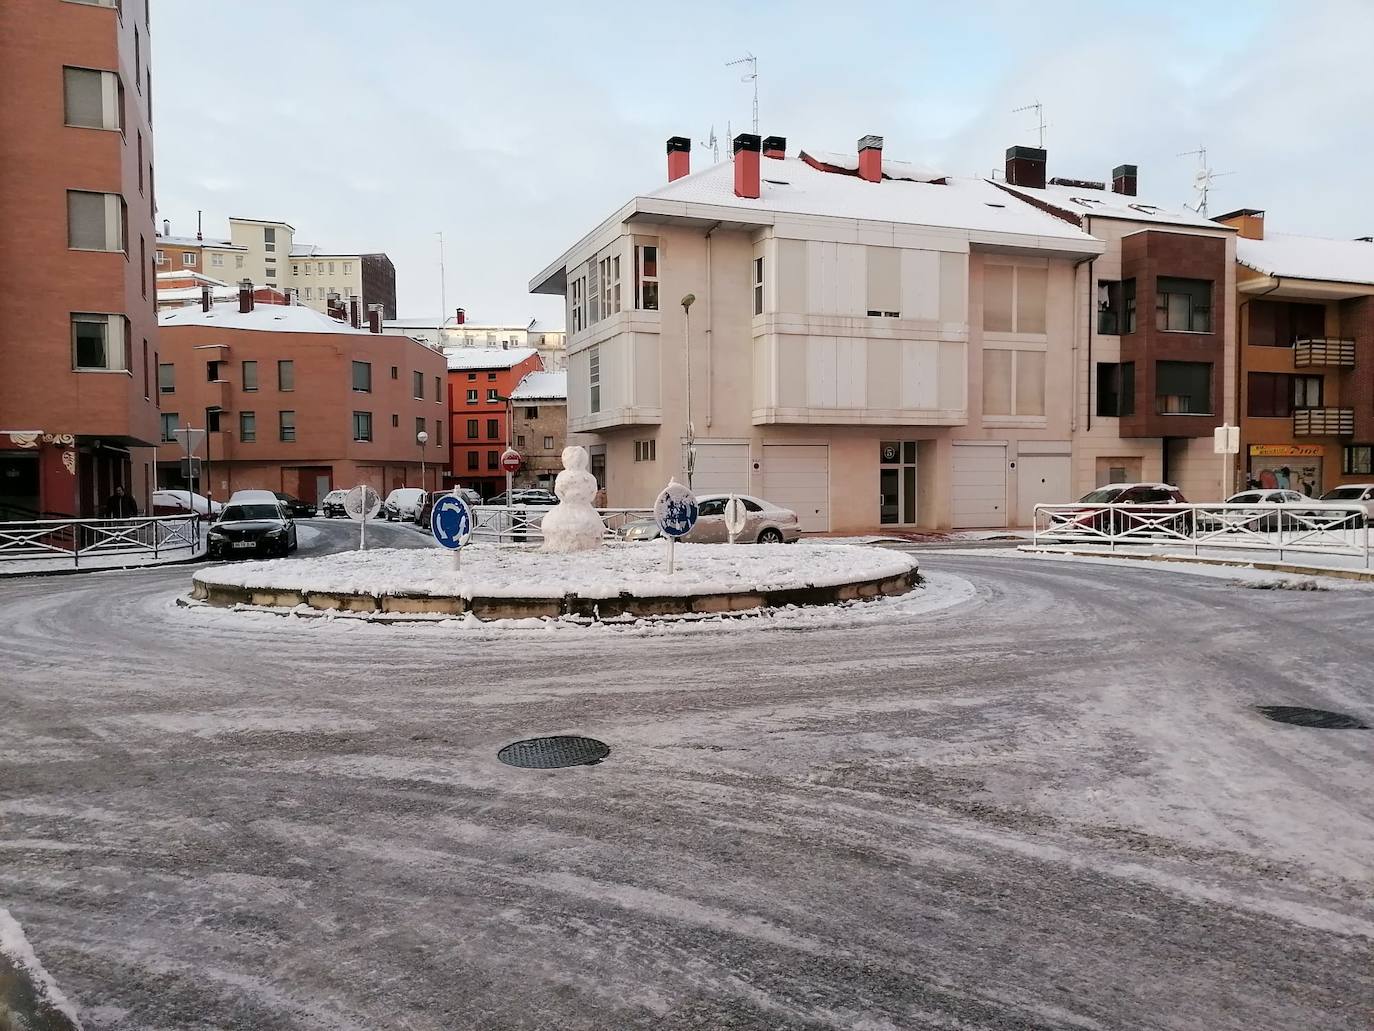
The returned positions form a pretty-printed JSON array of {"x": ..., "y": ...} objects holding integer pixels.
[
  {"x": 868, "y": 342},
  {"x": 459, "y": 331}
]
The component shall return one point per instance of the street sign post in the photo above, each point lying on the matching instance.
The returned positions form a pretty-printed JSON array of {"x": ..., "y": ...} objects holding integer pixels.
[
  {"x": 190, "y": 440},
  {"x": 1226, "y": 442},
  {"x": 451, "y": 523},
  {"x": 675, "y": 511},
  {"x": 735, "y": 516},
  {"x": 362, "y": 503},
  {"x": 510, "y": 462}
]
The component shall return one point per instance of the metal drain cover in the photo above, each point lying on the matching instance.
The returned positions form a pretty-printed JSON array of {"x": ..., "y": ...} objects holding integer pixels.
[
  {"x": 1322, "y": 719},
  {"x": 550, "y": 753}
]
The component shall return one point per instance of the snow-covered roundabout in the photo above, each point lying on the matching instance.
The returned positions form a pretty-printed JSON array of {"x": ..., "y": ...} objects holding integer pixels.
[{"x": 618, "y": 581}]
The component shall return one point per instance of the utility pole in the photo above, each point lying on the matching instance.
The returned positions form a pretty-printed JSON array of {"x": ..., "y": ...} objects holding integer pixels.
[
  {"x": 687, "y": 303},
  {"x": 443, "y": 297}
]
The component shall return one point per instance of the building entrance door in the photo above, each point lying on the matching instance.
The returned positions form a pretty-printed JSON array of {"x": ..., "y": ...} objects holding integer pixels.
[{"x": 897, "y": 482}]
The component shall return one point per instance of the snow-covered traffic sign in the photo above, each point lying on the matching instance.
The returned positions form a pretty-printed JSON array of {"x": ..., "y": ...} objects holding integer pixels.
[
  {"x": 735, "y": 516},
  {"x": 361, "y": 503},
  {"x": 675, "y": 511},
  {"x": 510, "y": 460},
  {"x": 451, "y": 521}
]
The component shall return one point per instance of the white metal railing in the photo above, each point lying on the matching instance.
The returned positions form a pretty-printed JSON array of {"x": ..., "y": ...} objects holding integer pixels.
[
  {"x": 520, "y": 524},
  {"x": 79, "y": 539},
  {"x": 1315, "y": 526}
]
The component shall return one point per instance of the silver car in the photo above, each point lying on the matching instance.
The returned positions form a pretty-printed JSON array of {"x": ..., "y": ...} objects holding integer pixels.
[
  {"x": 763, "y": 523},
  {"x": 1355, "y": 494}
]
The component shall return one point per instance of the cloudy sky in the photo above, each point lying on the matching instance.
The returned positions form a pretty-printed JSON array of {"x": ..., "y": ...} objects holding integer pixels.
[{"x": 516, "y": 127}]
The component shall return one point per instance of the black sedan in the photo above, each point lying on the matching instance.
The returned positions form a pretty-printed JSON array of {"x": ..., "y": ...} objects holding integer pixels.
[
  {"x": 251, "y": 531},
  {"x": 295, "y": 507}
]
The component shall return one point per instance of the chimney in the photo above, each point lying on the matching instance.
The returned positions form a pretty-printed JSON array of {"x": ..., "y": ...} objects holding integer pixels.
[
  {"x": 374, "y": 318},
  {"x": 1026, "y": 167},
  {"x": 1123, "y": 180},
  {"x": 245, "y": 295},
  {"x": 355, "y": 312},
  {"x": 206, "y": 297},
  {"x": 1250, "y": 222},
  {"x": 871, "y": 158},
  {"x": 775, "y": 147},
  {"x": 679, "y": 157},
  {"x": 166, "y": 227},
  {"x": 746, "y": 165},
  {"x": 334, "y": 309},
  {"x": 462, "y": 317}
]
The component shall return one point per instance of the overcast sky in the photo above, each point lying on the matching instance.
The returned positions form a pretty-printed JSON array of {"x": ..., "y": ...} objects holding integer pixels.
[{"x": 516, "y": 127}]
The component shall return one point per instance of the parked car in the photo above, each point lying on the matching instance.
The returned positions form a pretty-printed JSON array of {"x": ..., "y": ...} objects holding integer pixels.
[
  {"x": 177, "y": 502},
  {"x": 253, "y": 497},
  {"x": 1361, "y": 494},
  {"x": 297, "y": 508},
  {"x": 332, "y": 504},
  {"x": 1092, "y": 517},
  {"x": 764, "y": 523},
  {"x": 401, "y": 503},
  {"x": 248, "y": 529},
  {"x": 533, "y": 496},
  {"x": 1267, "y": 523}
]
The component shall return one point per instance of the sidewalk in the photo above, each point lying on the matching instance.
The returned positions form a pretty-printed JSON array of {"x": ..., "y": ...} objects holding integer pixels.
[
  {"x": 63, "y": 564},
  {"x": 1348, "y": 567}
]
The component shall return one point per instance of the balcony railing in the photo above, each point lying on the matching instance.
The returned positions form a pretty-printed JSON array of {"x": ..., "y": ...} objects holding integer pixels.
[
  {"x": 1323, "y": 422},
  {"x": 1328, "y": 351}
]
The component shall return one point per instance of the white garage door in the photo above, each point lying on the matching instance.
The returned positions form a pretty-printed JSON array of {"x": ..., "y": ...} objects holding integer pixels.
[
  {"x": 721, "y": 469},
  {"x": 1040, "y": 480},
  {"x": 979, "y": 487},
  {"x": 797, "y": 476}
]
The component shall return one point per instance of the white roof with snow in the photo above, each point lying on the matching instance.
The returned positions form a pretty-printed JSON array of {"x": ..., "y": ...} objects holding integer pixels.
[
  {"x": 525, "y": 325},
  {"x": 472, "y": 358},
  {"x": 198, "y": 277},
  {"x": 1083, "y": 200},
  {"x": 542, "y": 386},
  {"x": 1309, "y": 257},
  {"x": 275, "y": 318},
  {"x": 911, "y": 170}
]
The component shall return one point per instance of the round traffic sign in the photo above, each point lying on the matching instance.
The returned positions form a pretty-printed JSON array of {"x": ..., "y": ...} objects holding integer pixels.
[
  {"x": 362, "y": 502},
  {"x": 735, "y": 515},
  {"x": 675, "y": 511},
  {"x": 451, "y": 521},
  {"x": 510, "y": 460}
]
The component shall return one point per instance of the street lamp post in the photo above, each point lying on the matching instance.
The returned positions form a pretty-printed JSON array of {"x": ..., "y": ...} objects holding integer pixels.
[{"x": 422, "y": 438}]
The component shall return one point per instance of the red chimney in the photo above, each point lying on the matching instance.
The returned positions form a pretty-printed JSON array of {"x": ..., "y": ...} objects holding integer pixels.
[
  {"x": 205, "y": 297},
  {"x": 775, "y": 147},
  {"x": 355, "y": 318},
  {"x": 746, "y": 165},
  {"x": 245, "y": 295},
  {"x": 871, "y": 158},
  {"x": 679, "y": 157},
  {"x": 1026, "y": 167},
  {"x": 462, "y": 317},
  {"x": 374, "y": 318},
  {"x": 1123, "y": 180}
]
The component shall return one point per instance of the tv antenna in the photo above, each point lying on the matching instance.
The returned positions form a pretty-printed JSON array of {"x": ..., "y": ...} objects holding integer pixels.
[
  {"x": 750, "y": 76},
  {"x": 714, "y": 144},
  {"x": 1202, "y": 179},
  {"x": 1040, "y": 125}
]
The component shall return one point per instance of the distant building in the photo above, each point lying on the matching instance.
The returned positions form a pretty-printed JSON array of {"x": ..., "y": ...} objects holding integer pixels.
[
  {"x": 539, "y": 426},
  {"x": 480, "y": 382},
  {"x": 460, "y": 331},
  {"x": 179, "y": 289}
]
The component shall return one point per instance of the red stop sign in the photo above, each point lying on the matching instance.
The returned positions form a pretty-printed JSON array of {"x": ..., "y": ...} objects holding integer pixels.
[{"x": 510, "y": 460}]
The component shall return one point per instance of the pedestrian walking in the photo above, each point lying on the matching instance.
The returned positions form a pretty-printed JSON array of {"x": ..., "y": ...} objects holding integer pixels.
[{"x": 120, "y": 505}]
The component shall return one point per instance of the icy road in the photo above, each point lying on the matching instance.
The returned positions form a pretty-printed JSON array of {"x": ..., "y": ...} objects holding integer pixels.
[{"x": 1052, "y": 805}]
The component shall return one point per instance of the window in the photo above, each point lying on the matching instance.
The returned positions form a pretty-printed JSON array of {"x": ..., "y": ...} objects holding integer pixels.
[
  {"x": 609, "y": 277},
  {"x": 395, "y": 421},
  {"x": 493, "y": 459},
  {"x": 143, "y": 264},
  {"x": 362, "y": 377},
  {"x": 93, "y": 99},
  {"x": 577, "y": 312},
  {"x": 295, "y": 269},
  {"x": 319, "y": 267},
  {"x": 348, "y": 268},
  {"x": 472, "y": 375},
  {"x": 138, "y": 60},
  {"x": 417, "y": 385},
  {"x": 472, "y": 429},
  {"x": 646, "y": 450},
  {"x": 395, "y": 373},
  {"x": 472, "y": 397},
  {"x": 493, "y": 429},
  {"x": 362, "y": 426},
  {"x": 169, "y": 424},
  {"x": 157, "y": 360},
  {"x": 646, "y": 278},
  {"x": 166, "y": 378},
  {"x": 140, "y": 163},
  {"x": 438, "y": 388},
  {"x": 1014, "y": 383},
  {"x": 1307, "y": 391},
  {"x": 1278, "y": 324},
  {"x": 217, "y": 260},
  {"x": 248, "y": 427},
  {"x": 188, "y": 259},
  {"x": 491, "y": 376},
  {"x": 493, "y": 394},
  {"x": 286, "y": 426},
  {"x": 1183, "y": 388},
  {"x": 238, "y": 261},
  {"x": 100, "y": 343},
  {"x": 1358, "y": 458},
  {"x": 419, "y": 425},
  {"x": 1108, "y": 308},
  {"x": 1183, "y": 305},
  {"x": 269, "y": 238},
  {"x": 758, "y": 286},
  {"x": 212, "y": 372},
  {"x": 1014, "y": 298},
  {"x": 212, "y": 423},
  {"x": 97, "y": 221},
  {"x": 531, "y": 412},
  {"x": 1274, "y": 395},
  {"x": 594, "y": 378},
  {"x": 519, "y": 440},
  {"x": 250, "y": 376},
  {"x": 159, "y": 257},
  {"x": 472, "y": 460},
  {"x": 548, "y": 443},
  {"x": 1115, "y": 389},
  {"x": 331, "y": 268},
  {"x": 307, "y": 293},
  {"x": 286, "y": 375},
  {"x": 1128, "y": 305},
  {"x": 438, "y": 433},
  {"x": 146, "y": 392}
]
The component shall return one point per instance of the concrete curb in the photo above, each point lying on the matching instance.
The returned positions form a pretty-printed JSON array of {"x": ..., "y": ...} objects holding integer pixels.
[
  {"x": 625, "y": 606},
  {"x": 1362, "y": 575}
]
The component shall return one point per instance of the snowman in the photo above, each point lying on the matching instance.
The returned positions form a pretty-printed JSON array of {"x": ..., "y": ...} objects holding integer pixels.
[{"x": 574, "y": 524}]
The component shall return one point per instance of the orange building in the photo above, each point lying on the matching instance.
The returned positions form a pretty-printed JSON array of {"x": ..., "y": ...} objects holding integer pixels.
[
  {"x": 78, "y": 343},
  {"x": 296, "y": 401},
  {"x": 480, "y": 382}
]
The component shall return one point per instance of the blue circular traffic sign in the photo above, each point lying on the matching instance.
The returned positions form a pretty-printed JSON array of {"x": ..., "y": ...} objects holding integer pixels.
[
  {"x": 451, "y": 521},
  {"x": 675, "y": 511}
]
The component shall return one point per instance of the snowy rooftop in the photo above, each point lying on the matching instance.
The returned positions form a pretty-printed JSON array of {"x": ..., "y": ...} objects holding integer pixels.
[
  {"x": 197, "y": 277},
  {"x": 219, "y": 291},
  {"x": 1082, "y": 200},
  {"x": 466, "y": 358},
  {"x": 276, "y": 318},
  {"x": 542, "y": 386},
  {"x": 908, "y": 170},
  {"x": 519, "y": 325},
  {"x": 1309, "y": 257}
]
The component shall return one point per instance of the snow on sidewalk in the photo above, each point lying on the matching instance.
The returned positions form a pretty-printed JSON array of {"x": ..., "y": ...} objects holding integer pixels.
[{"x": 31, "y": 993}]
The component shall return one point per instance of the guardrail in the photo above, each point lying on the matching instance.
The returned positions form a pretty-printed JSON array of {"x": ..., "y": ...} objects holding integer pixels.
[
  {"x": 88, "y": 539},
  {"x": 1320, "y": 527},
  {"x": 520, "y": 524}
]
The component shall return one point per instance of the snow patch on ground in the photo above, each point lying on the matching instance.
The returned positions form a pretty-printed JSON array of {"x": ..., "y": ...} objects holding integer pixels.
[{"x": 15, "y": 947}]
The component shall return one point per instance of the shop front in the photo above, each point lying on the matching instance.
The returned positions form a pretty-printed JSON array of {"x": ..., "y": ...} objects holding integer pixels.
[{"x": 1287, "y": 467}]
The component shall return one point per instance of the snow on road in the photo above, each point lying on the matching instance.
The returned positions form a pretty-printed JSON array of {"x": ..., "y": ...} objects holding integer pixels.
[{"x": 1050, "y": 804}]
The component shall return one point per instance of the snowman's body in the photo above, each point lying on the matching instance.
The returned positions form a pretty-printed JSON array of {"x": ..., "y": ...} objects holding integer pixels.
[{"x": 573, "y": 525}]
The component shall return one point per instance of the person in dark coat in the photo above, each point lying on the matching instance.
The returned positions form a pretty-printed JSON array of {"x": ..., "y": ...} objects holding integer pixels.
[{"x": 120, "y": 505}]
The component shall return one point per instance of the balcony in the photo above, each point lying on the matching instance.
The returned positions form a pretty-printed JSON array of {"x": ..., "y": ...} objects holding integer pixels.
[
  {"x": 1323, "y": 422},
  {"x": 1324, "y": 351}
]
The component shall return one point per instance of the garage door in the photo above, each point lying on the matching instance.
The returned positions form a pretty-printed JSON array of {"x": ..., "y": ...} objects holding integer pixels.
[
  {"x": 721, "y": 469},
  {"x": 979, "y": 486},
  {"x": 797, "y": 476},
  {"x": 1040, "y": 480}
]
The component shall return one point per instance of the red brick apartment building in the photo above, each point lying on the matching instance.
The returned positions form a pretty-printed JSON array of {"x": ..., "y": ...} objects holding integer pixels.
[
  {"x": 78, "y": 341},
  {"x": 480, "y": 383},
  {"x": 297, "y": 401}
]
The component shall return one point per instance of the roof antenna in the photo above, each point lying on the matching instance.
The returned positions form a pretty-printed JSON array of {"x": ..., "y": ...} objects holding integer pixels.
[
  {"x": 1202, "y": 179},
  {"x": 714, "y": 144},
  {"x": 750, "y": 76},
  {"x": 1040, "y": 125}
]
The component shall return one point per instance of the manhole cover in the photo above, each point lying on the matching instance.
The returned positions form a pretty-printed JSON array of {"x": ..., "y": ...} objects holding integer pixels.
[
  {"x": 548, "y": 753},
  {"x": 1323, "y": 719}
]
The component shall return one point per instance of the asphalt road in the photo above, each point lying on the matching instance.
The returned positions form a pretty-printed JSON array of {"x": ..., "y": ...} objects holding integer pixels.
[{"x": 1052, "y": 806}]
